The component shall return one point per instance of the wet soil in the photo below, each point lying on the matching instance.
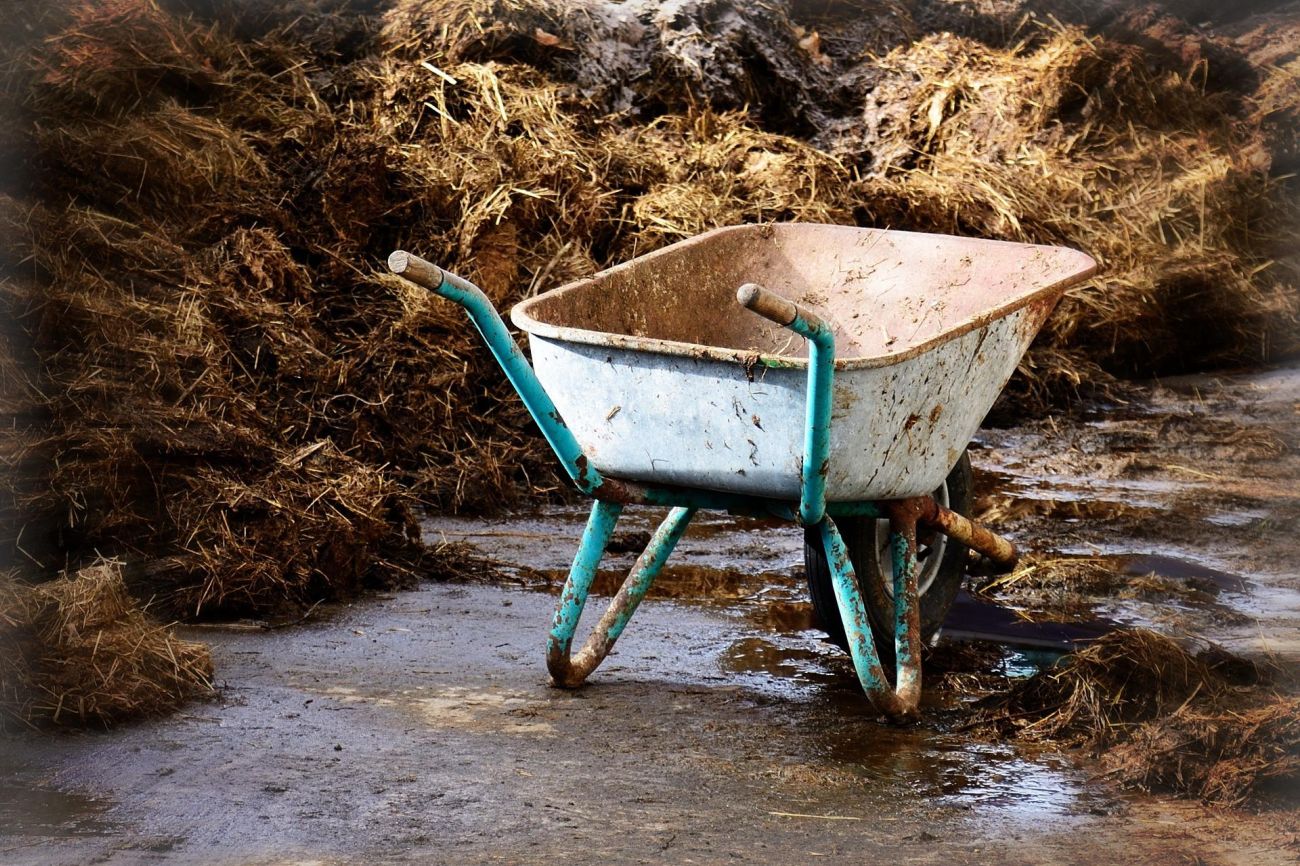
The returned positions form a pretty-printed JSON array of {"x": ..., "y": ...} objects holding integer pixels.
[
  {"x": 420, "y": 727},
  {"x": 1188, "y": 497}
]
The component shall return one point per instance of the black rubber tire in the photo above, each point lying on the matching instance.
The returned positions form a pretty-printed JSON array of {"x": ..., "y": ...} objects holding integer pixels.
[{"x": 860, "y": 536}]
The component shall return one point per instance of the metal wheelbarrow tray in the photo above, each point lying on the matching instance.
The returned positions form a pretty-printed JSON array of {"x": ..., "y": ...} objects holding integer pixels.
[{"x": 855, "y": 390}]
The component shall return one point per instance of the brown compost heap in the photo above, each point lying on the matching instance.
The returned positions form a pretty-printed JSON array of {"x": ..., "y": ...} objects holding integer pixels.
[
  {"x": 79, "y": 650},
  {"x": 209, "y": 380}
]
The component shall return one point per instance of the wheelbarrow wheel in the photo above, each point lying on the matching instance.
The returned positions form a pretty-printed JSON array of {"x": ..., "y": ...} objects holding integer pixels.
[{"x": 941, "y": 564}]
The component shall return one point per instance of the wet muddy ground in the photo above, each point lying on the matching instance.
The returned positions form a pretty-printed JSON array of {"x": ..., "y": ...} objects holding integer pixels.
[
  {"x": 1190, "y": 491},
  {"x": 419, "y": 727}
]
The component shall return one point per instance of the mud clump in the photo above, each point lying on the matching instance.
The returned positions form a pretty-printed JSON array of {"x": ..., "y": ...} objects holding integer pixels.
[
  {"x": 79, "y": 650},
  {"x": 1206, "y": 725}
]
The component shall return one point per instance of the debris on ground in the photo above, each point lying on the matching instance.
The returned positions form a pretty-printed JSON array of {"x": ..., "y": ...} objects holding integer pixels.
[
  {"x": 80, "y": 650},
  {"x": 1069, "y": 586},
  {"x": 1160, "y": 717}
]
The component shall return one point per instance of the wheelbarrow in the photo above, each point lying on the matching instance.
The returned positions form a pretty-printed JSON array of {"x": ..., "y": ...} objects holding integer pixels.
[{"x": 844, "y": 405}]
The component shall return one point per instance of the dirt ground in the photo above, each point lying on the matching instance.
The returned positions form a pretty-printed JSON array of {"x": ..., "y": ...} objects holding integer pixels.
[{"x": 419, "y": 727}]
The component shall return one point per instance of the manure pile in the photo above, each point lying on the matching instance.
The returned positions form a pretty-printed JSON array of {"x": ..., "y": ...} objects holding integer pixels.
[
  {"x": 209, "y": 380},
  {"x": 1206, "y": 724},
  {"x": 78, "y": 650}
]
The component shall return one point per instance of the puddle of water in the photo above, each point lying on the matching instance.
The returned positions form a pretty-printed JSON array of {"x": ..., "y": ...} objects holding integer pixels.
[
  {"x": 974, "y": 618},
  {"x": 692, "y": 582},
  {"x": 785, "y": 617},
  {"x": 1001, "y": 785},
  {"x": 41, "y": 811},
  {"x": 1089, "y": 511},
  {"x": 996, "y": 783},
  {"x": 1239, "y": 518},
  {"x": 718, "y": 549},
  {"x": 1118, "y": 573},
  {"x": 1025, "y": 662},
  {"x": 1101, "y": 493},
  {"x": 768, "y": 650},
  {"x": 751, "y": 569},
  {"x": 1118, "y": 587},
  {"x": 1194, "y": 575},
  {"x": 781, "y": 667},
  {"x": 804, "y": 666}
]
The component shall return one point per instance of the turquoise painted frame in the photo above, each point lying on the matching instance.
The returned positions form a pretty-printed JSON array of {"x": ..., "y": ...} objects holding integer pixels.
[{"x": 898, "y": 701}]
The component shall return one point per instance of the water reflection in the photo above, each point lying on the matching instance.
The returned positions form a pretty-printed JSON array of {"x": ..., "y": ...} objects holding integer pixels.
[
  {"x": 838, "y": 733},
  {"x": 36, "y": 810}
]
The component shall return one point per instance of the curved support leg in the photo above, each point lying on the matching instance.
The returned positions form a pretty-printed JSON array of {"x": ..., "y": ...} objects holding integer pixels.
[
  {"x": 595, "y": 538},
  {"x": 899, "y": 704},
  {"x": 567, "y": 672},
  {"x": 907, "y": 607}
]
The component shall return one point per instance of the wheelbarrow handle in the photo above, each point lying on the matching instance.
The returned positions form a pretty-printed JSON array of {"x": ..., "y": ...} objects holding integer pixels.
[
  {"x": 416, "y": 269},
  {"x": 508, "y": 354},
  {"x": 783, "y": 311},
  {"x": 821, "y": 367}
]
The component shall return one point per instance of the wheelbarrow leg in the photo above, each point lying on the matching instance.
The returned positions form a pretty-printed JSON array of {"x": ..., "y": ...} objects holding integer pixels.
[
  {"x": 567, "y": 672},
  {"x": 899, "y": 703},
  {"x": 907, "y": 606}
]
